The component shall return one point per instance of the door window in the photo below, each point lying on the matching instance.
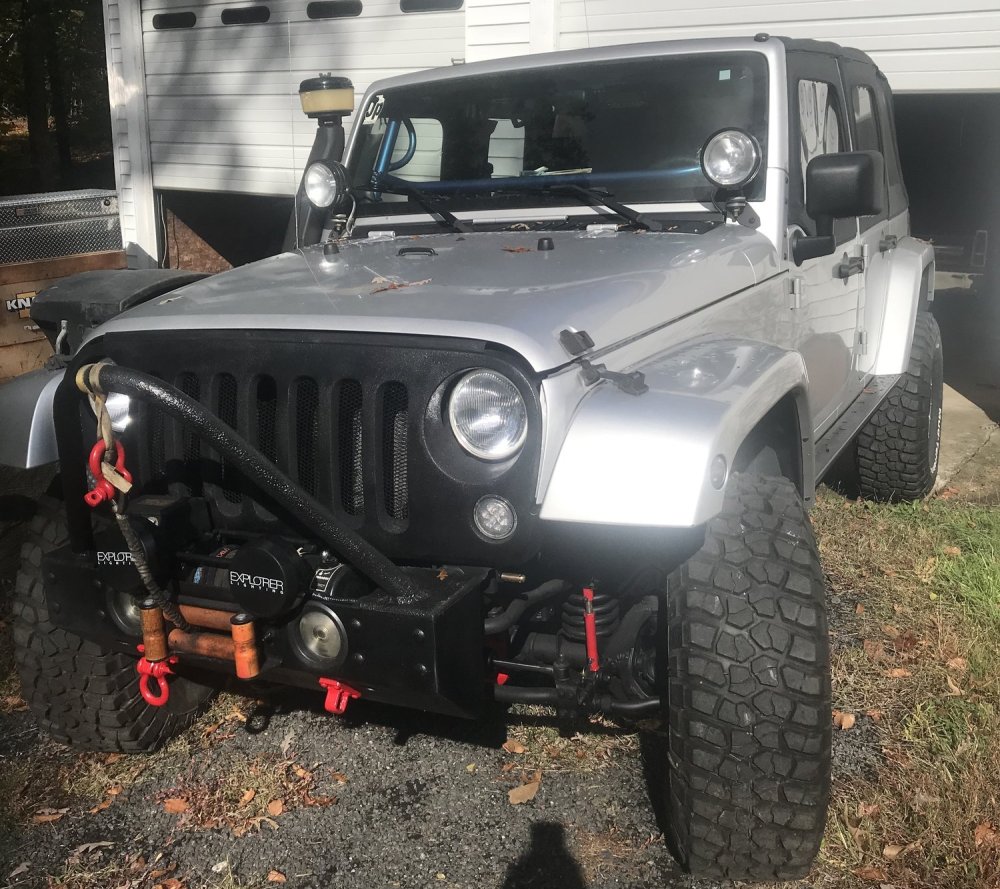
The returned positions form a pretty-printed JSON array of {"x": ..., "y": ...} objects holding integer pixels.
[
  {"x": 866, "y": 134},
  {"x": 821, "y": 131}
]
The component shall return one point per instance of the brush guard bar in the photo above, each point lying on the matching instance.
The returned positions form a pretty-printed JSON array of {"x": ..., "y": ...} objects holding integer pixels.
[{"x": 103, "y": 378}]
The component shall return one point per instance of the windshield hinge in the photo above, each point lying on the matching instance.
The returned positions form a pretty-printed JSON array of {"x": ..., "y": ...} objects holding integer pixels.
[
  {"x": 576, "y": 342},
  {"x": 630, "y": 383}
]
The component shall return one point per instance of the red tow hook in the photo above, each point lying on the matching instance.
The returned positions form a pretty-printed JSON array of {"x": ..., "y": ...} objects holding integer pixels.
[
  {"x": 103, "y": 489},
  {"x": 158, "y": 670},
  {"x": 338, "y": 696}
]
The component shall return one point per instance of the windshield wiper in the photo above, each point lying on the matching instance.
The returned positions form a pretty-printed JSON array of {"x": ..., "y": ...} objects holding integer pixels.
[
  {"x": 602, "y": 198},
  {"x": 445, "y": 217}
]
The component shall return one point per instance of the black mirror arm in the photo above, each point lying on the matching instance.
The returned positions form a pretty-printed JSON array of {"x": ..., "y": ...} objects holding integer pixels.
[{"x": 822, "y": 243}]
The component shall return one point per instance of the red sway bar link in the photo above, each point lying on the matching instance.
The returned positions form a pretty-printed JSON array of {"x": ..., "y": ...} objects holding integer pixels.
[
  {"x": 159, "y": 671},
  {"x": 590, "y": 629},
  {"x": 103, "y": 489}
]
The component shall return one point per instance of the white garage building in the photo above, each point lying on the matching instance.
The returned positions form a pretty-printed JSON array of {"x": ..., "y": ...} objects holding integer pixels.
[{"x": 205, "y": 107}]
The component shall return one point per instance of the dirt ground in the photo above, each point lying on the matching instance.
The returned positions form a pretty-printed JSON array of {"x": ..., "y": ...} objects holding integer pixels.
[{"x": 266, "y": 793}]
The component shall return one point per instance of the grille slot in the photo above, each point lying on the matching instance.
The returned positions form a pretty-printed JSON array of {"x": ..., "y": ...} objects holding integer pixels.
[
  {"x": 395, "y": 422},
  {"x": 266, "y": 403},
  {"x": 227, "y": 410},
  {"x": 190, "y": 385},
  {"x": 306, "y": 433},
  {"x": 350, "y": 447}
]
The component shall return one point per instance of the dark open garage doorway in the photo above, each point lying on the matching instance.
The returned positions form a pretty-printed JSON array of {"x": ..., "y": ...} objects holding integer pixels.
[{"x": 949, "y": 145}]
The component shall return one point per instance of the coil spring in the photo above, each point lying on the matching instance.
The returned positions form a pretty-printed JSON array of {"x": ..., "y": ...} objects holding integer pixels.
[{"x": 606, "y": 616}]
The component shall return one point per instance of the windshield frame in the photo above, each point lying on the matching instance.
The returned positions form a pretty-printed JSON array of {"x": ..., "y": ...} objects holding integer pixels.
[{"x": 548, "y": 202}]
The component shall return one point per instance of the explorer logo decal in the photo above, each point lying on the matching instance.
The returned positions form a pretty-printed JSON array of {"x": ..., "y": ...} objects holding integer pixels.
[
  {"x": 255, "y": 582},
  {"x": 110, "y": 557}
]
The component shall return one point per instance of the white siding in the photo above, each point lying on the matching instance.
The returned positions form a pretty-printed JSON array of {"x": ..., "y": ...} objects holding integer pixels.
[
  {"x": 921, "y": 45},
  {"x": 223, "y": 99},
  {"x": 129, "y": 135}
]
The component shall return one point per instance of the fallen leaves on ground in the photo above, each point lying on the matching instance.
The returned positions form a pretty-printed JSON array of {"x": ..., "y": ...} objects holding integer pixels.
[
  {"x": 844, "y": 721},
  {"x": 892, "y": 851},
  {"x": 987, "y": 835},
  {"x": 958, "y": 664},
  {"x": 512, "y": 746},
  {"x": 526, "y": 791},
  {"x": 276, "y": 876},
  {"x": 226, "y": 801},
  {"x": 899, "y": 673},
  {"x": 48, "y": 816}
]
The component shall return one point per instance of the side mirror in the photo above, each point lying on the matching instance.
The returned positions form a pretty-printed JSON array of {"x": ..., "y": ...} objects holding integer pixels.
[{"x": 839, "y": 186}]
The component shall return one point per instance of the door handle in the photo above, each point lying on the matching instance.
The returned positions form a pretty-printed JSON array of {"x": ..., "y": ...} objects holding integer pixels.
[{"x": 850, "y": 265}]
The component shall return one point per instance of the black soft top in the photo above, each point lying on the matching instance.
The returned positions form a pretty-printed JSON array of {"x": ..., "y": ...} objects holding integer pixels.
[{"x": 802, "y": 44}]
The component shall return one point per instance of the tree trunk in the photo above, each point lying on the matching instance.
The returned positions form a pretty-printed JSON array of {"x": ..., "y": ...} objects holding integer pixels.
[{"x": 33, "y": 42}]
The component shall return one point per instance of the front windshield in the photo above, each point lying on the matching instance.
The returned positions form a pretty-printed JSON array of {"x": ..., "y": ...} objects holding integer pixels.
[{"x": 634, "y": 128}]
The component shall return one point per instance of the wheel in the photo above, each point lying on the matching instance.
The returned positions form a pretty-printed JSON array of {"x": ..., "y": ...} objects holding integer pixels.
[
  {"x": 80, "y": 693},
  {"x": 745, "y": 783},
  {"x": 897, "y": 451}
]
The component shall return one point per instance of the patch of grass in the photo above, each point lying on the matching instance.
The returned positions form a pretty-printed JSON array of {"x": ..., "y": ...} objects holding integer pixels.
[
  {"x": 927, "y": 577},
  {"x": 545, "y": 748}
]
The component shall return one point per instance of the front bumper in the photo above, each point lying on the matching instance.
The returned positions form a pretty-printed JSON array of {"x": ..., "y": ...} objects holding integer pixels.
[{"x": 426, "y": 654}]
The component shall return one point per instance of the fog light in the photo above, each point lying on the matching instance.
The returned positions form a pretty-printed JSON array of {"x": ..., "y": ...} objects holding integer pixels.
[
  {"x": 125, "y": 612},
  {"x": 494, "y": 517},
  {"x": 321, "y": 636}
]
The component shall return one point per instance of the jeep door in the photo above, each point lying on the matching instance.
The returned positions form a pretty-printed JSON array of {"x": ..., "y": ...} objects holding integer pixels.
[
  {"x": 870, "y": 111},
  {"x": 826, "y": 304}
]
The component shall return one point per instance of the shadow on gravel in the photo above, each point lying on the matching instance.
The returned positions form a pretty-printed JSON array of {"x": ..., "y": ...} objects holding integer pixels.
[{"x": 547, "y": 863}]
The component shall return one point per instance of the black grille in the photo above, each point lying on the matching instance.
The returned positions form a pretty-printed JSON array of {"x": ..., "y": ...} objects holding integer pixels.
[{"x": 357, "y": 421}]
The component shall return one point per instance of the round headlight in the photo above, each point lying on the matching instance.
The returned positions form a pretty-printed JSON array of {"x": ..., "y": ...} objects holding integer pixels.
[
  {"x": 323, "y": 185},
  {"x": 488, "y": 415},
  {"x": 730, "y": 158}
]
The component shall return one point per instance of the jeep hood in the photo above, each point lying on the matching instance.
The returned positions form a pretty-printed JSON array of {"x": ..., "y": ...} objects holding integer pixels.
[{"x": 496, "y": 287}]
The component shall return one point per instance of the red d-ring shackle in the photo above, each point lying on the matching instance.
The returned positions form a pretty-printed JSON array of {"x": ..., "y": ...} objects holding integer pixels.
[{"x": 103, "y": 489}]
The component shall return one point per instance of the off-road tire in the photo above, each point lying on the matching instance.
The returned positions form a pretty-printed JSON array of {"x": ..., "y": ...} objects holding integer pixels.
[
  {"x": 897, "y": 451},
  {"x": 747, "y": 694},
  {"x": 80, "y": 693}
]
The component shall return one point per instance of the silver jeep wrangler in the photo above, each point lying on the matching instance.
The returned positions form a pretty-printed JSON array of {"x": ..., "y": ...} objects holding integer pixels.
[{"x": 531, "y": 412}]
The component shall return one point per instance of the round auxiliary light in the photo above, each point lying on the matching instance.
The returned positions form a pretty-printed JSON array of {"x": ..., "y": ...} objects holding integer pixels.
[
  {"x": 730, "y": 158},
  {"x": 488, "y": 415},
  {"x": 494, "y": 517},
  {"x": 326, "y": 96},
  {"x": 323, "y": 184},
  {"x": 321, "y": 635}
]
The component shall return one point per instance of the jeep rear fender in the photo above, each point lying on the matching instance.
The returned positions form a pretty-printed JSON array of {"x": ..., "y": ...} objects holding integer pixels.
[
  {"x": 647, "y": 459},
  {"x": 910, "y": 281},
  {"x": 29, "y": 436}
]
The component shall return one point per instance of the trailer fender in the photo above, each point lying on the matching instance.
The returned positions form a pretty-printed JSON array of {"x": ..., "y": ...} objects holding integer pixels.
[
  {"x": 29, "y": 437},
  {"x": 654, "y": 459},
  {"x": 910, "y": 285}
]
